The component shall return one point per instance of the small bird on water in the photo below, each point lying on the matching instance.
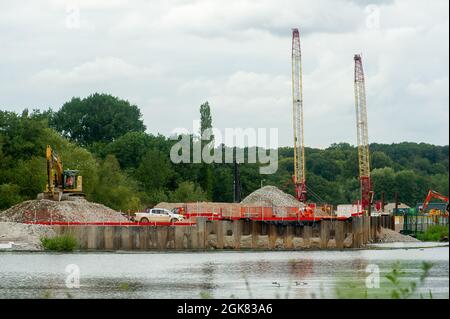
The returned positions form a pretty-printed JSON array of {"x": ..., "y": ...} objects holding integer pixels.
[{"x": 301, "y": 283}]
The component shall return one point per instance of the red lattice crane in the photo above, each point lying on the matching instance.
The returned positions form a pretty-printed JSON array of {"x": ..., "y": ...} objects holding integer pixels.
[
  {"x": 297, "y": 104},
  {"x": 362, "y": 134}
]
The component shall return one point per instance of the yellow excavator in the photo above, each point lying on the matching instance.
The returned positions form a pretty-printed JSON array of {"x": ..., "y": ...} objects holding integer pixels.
[{"x": 61, "y": 184}]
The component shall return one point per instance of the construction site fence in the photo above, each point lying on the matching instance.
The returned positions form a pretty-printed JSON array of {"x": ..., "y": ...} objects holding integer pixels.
[
  {"x": 247, "y": 211},
  {"x": 231, "y": 213},
  {"x": 419, "y": 223}
]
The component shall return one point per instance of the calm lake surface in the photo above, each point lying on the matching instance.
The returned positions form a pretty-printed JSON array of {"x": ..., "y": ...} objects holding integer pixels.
[{"x": 301, "y": 274}]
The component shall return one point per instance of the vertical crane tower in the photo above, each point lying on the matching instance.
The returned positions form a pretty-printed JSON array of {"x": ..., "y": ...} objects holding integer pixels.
[
  {"x": 297, "y": 103},
  {"x": 362, "y": 134}
]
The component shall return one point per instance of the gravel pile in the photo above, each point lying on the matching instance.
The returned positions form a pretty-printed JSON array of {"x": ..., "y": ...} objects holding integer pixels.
[
  {"x": 390, "y": 236},
  {"x": 44, "y": 210},
  {"x": 17, "y": 236},
  {"x": 271, "y": 196}
]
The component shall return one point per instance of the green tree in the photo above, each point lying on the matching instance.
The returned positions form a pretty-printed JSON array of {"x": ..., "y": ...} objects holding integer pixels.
[
  {"x": 205, "y": 119},
  {"x": 9, "y": 195},
  {"x": 406, "y": 184},
  {"x": 380, "y": 160},
  {"x": 29, "y": 175},
  {"x": 320, "y": 165},
  {"x": 223, "y": 191},
  {"x": 97, "y": 118},
  {"x": 114, "y": 189},
  {"x": 130, "y": 148},
  {"x": 188, "y": 192},
  {"x": 439, "y": 183},
  {"x": 384, "y": 180},
  {"x": 157, "y": 196},
  {"x": 154, "y": 171},
  {"x": 206, "y": 177},
  {"x": 22, "y": 135}
]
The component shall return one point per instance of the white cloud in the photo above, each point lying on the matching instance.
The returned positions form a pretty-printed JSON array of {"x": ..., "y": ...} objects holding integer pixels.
[
  {"x": 101, "y": 69},
  {"x": 170, "y": 56}
]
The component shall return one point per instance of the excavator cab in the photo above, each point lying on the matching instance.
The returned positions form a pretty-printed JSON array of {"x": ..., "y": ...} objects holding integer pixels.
[{"x": 72, "y": 181}]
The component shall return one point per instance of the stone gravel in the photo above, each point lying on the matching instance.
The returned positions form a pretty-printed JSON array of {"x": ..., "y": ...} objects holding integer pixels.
[
  {"x": 43, "y": 210},
  {"x": 18, "y": 236},
  {"x": 389, "y": 236},
  {"x": 271, "y": 196}
]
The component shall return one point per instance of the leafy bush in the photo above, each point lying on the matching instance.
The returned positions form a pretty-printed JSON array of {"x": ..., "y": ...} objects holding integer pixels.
[
  {"x": 434, "y": 233},
  {"x": 9, "y": 195},
  {"x": 59, "y": 243},
  {"x": 188, "y": 192}
]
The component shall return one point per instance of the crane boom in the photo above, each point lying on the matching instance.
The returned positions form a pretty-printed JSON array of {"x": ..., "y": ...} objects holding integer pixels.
[
  {"x": 362, "y": 134},
  {"x": 297, "y": 103}
]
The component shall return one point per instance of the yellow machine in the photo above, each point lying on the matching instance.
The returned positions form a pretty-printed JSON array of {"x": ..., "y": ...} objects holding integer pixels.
[{"x": 61, "y": 184}]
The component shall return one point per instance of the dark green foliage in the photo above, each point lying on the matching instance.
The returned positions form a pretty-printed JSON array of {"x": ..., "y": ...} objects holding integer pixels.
[
  {"x": 188, "y": 192},
  {"x": 21, "y": 136},
  {"x": 59, "y": 243},
  {"x": 205, "y": 118},
  {"x": 434, "y": 233},
  {"x": 9, "y": 195},
  {"x": 206, "y": 178},
  {"x": 131, "y": 147},
  {"x": 97, "y": 118},
  {"x": 154, "y": 171},
  {"x": 125, "y": 168},
  {"x": 114, "y": 189},
  {"x": 380, "y": 160}
]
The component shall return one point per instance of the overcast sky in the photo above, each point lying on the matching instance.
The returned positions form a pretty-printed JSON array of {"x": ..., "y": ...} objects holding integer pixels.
[{"x": 168, "y": 57}]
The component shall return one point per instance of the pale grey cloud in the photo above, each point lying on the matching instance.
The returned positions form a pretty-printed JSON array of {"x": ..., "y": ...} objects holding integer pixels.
[{"x": 170, "y": 56}]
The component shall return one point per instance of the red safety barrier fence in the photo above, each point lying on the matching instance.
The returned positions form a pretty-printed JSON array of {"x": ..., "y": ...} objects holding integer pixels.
[
  {"x": 112, "y": 223},
  {"x": 226, "y": 213}
]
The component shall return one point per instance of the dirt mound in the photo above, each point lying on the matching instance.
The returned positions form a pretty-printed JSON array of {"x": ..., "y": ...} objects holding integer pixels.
[
  {"x": 43, "y": 210},
  {"x": 271, "y": 196},
  {"x": 390, "y": 236},
  {"x": 18, "y": 236}
]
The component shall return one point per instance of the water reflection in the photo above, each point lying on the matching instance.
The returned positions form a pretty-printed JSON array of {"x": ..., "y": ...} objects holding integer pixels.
[{"x": 312, "y": 274}]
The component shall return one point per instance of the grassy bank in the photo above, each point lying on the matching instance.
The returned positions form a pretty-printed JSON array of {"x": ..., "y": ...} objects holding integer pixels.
[
  {"x": 59, "y": 243},
  {"x": 434, "y": 233}
]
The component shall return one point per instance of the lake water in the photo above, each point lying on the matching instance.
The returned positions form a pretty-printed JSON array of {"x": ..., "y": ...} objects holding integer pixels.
[{"x": 300, "y": 274}]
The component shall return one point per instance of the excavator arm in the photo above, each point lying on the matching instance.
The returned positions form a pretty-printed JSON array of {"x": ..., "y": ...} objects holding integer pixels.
[
  {"x": 433, "y": 194},
  {"x": 54, "y": 169}
]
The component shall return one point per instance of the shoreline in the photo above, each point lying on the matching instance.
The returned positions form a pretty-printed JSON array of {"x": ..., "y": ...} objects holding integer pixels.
[{"x": 375, "y": 246}]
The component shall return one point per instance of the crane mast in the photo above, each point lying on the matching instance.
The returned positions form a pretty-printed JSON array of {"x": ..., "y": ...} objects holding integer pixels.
[
  {"x": 362, "y": 134},
  {"x": 297, "y": 102}
]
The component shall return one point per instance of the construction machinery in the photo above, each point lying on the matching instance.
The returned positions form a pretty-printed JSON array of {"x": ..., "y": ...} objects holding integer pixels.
[
  {"x": 297, "y": 104},
  {"x": 362, "y": 135},
  {"x": 61, "y": 184},
  {"x": 433, "y": 194}
]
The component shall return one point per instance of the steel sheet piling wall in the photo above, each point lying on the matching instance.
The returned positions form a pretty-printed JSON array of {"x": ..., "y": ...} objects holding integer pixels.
[{"x": 229, "y": 234}]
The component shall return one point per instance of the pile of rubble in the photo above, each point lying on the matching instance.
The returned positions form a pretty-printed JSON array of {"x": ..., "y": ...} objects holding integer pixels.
[
  {"x": 390, "y": 236},
  {"x": 17, "y": 236},
  {"x": 43, "y": 210},
  {"x": 271, "y": 196}
]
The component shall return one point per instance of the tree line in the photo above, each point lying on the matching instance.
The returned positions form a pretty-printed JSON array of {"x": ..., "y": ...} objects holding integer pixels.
[{"x": 124, "y": 167}]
